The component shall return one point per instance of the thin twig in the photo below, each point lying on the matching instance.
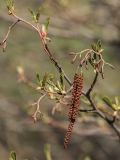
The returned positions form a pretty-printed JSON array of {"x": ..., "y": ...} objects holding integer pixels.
[
  {"x": 93, "y": 84},
  {"x": 53, "y": 60},
  {"x": 88, "y": 110},
  {"x": 46, "y": 48},
  {"x": 23, "y": 20},
  {"x": 8, "y": 32},
  {"x": 98, "y": 112},
  {"x": 38, "y": 107}
]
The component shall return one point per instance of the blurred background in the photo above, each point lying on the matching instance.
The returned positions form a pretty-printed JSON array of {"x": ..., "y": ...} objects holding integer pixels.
[{"x": 74, "y": 25}]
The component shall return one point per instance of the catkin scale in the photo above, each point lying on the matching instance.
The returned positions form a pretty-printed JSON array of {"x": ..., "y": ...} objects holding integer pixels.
[{"x": 74, "y": 107}]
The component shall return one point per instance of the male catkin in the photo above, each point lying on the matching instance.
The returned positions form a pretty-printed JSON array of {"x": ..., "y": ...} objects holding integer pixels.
[{"x": 74, "y": 107}]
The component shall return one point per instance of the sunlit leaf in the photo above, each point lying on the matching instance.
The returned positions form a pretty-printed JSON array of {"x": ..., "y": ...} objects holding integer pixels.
[
  {"x": 115, "y": 107},
  {"x": 107, "y": 101},
  {"x": 117, "y": 101},
  {"x": 51, "y": 92},
  {"x": 47, "y": 77},
  {"x": 59, "y": 86}
]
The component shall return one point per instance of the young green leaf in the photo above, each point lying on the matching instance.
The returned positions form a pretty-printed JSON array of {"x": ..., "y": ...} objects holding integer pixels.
[
  {"x": 38, "y": 14},
  {"x": 33, "y": 14},
  {"x": 62, "y": 80},
  {"x": 59, "y": 86},
  {"x": 47, "y": 24},
  {"x": 47, "y": 77},
  {"x": 99, "y": 45},
  {"x": 10, "y": 6},
  {"x": 45, "y": 27},
  {"x": 96, "y": 46},
  {"x": 117, "y": 101},
  {"x": 107, "y": 101},
  {"x": 38, "y": 77},
  {"x": 93, "y": 46},
  {"x": 12, "y": 156},
  {"x": 115, "y": 107},
  {"x": 47, "y": 152}
]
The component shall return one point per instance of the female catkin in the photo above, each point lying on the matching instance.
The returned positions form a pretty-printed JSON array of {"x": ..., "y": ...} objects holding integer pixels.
[{"x": 74, "y": 107}]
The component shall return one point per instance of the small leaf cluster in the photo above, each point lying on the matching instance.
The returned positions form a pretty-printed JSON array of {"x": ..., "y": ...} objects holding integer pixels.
[
  {"x": 115, "y": 105},
  {"x": 35, "y": 14},
  {"x": 48, "y": 84},
  {"x": 44, "y": 30},
  {"x": 10, "y": 6},
  {"x": 94, "y": 57}
]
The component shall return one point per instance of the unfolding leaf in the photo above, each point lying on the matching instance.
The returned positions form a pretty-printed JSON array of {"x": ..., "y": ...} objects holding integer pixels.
[
  {"x": 99, "y": 45},
  {"x": 45, "y": 27},
  {"x": 107, "y": 101},
  {"x": 115, "y": 107},
  {"x": 10, "y": 6},
  {"x": 47, "y": 24},
  {"x": 33, "y": 14},
  {"x": 62, "y": 80},
  {"x": 12, "y": 156},
  {"x": 47, "y": 77},
  {"x": 38, "y": 14},
  {"x": 117, "y": 101},
  {"x": 47, "y": 152},
  {"x": 38, "y": 77},
  {"x": 93, "y": 46},
  {"x": 58, "y": 85},
  {"x": 51, "y": 92},
  {"x": 96, "y": 46}
]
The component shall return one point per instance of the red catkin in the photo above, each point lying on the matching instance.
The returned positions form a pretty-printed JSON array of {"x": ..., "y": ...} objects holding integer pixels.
[{"x": 74, "y": 108}]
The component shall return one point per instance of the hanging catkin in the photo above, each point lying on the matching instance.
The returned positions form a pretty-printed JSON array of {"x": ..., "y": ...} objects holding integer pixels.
[{"x": 74, "y": 108}]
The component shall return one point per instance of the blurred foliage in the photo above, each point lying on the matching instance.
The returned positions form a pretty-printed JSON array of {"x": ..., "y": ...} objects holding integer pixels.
[
  {"x": 47, "y": 151},
  {"x": 12, "y": 156}
]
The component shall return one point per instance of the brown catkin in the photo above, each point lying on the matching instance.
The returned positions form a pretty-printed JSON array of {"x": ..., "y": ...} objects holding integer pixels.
[
  {"x": 76, "y": 93},
  {"x": 68, "y": 134},
  {"x": 74, "y": 108}
]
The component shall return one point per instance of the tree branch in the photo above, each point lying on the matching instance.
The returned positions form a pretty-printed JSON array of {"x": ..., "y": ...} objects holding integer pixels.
[
  {"x": 92, "y": 85},
  {"x": 46, "y": 48},
  {"x": 99, "y": 113},
  {"x": 8, "y": 32}
]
